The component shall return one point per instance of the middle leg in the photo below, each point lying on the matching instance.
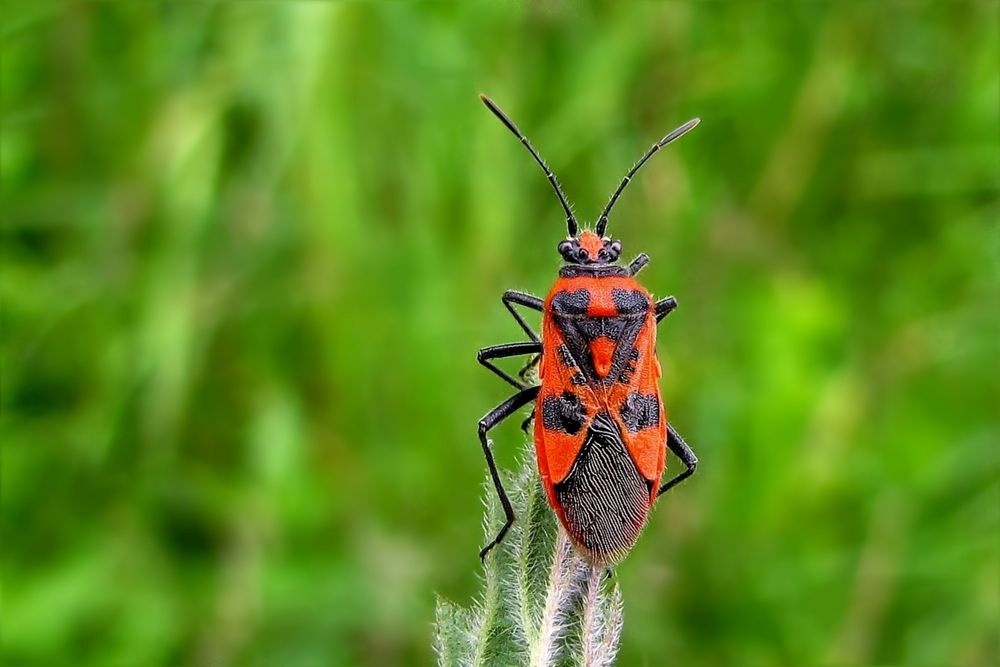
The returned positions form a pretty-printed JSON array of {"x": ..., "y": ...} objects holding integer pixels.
[{"x": 507, "y": 350}]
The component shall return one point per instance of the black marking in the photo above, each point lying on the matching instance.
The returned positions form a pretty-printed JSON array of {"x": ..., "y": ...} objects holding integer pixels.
[
  {"x": 571, "y": 303},
  {"x": 579, "y": 331},
  {"x": 604, "y": 499},
  {"x": 633, "y": 358},
  {"x": 630, "y": 302},
  {"x": 639, "y": 411},
  {"x": 567, "y": 360},
  {"x": 577, "y": 270},
  {"x": 593, "y": 328},
  {"x": 564, "y": 413},
  {"x": 565, "y": 356}
]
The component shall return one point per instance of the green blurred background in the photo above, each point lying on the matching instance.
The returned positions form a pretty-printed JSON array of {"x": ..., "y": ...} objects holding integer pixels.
[{"x": 250, "y": 250}]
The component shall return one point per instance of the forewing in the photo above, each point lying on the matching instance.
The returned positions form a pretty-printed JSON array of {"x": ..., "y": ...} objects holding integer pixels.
[{"x": 565, "y": 406}]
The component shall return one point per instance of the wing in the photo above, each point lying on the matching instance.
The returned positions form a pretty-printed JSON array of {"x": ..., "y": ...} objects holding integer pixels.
[
  {"x": 565, "y": 407},
  {"x": 637, "y": 407}
]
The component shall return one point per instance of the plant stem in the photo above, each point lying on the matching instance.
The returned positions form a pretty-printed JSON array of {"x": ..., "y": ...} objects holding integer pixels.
[{"x": 562, "y": 583}]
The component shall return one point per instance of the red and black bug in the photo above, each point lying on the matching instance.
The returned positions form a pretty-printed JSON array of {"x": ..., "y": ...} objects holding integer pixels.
[{"x": 601, "y": 433}]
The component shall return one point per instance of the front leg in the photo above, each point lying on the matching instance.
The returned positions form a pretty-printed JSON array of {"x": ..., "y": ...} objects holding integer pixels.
[
  {"x": 511, "y": 297},
  {"x": 638, "y": 263}
]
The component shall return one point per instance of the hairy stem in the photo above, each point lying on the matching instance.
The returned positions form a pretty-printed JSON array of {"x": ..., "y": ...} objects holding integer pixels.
[
  {"x": 601, "y": 621},
  {"x": 562, "y": 585},
  {"x": 542, "y": 604}
]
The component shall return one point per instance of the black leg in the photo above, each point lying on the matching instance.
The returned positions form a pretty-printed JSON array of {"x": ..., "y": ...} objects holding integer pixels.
[
  {"x": 503, "y": 351},
  {"x": 511, "y": 297},
  {"x": 638, "y": 264},
  {"x": 677, "y": 445},
  {"x": 526, "y": 424},
  {"x": 664, "y": 306},
  {"x": 494, "y": 417}
]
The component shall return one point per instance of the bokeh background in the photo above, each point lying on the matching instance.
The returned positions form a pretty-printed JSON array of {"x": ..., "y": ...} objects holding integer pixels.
[{"x": 250, "y": 250}]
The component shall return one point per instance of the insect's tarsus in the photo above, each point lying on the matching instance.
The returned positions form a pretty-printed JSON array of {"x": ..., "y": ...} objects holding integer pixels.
[
  {"x": 602, "y": 222},
  {"x": 571, "y": 225}
]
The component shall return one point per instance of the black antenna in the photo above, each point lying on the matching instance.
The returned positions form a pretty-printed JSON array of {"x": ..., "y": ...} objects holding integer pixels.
[
  {"x": 602, "y": 222},
  {"x": 570, "y": 220}
]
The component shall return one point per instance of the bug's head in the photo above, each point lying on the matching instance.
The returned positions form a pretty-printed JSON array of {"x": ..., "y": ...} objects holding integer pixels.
[{"x": 589, "y": 248}]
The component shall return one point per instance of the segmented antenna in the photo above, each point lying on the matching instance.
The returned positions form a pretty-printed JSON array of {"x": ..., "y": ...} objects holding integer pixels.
[
  {"x": 602, "y": 222},
  {"x": 570, "y": 220}
]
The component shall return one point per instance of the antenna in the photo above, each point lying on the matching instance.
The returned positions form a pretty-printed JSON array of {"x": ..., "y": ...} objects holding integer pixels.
[
  {"x": 602, "y": 222},
  {"x": 570, "y": 220}
]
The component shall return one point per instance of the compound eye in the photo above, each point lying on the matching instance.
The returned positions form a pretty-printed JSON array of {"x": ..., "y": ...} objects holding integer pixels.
[
  {"x": 582, "y": 255},
  {"x": 565, "y": 248},
  {"x": 615, "y": 249}
]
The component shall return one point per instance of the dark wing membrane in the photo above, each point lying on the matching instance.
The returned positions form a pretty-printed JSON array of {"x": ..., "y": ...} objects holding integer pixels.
[{"x": 604, "y": 499}]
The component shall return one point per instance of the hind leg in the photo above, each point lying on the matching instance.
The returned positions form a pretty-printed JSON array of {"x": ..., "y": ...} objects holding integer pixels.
[{"x": 677, "y": 445}]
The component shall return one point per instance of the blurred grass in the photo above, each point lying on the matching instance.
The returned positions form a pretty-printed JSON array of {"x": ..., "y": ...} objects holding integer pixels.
[{"x": 250, "y": 250}]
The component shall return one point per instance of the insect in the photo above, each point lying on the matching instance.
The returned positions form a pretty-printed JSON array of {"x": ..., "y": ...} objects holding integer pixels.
[{"x": 600, "y": 430}]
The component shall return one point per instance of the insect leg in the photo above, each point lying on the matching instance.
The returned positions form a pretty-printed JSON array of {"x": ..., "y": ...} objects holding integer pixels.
[
  {"x": 494, "y": 417},
  {"x": 511, "y": 297},
  {"x": 526, "y": 424},
  {"x": 663, "y": 307},
  {"x": 677, "y": 445},
  {"x": 638, "y": 264},
  {"x": 503, "y": 351}
]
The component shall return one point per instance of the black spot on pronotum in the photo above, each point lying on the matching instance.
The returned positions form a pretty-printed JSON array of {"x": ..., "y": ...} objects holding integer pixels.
[
  {"x": 563, "y": 413},
  {"x": 571, "y": 303},
  {"x": 577, "y": 270},
  {"x": 630, "y": 302},
  {"x": 639, "y": 411}
]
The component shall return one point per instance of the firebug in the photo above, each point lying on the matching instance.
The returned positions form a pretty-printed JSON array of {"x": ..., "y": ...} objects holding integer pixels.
[{"x": 600, "y": 430}]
